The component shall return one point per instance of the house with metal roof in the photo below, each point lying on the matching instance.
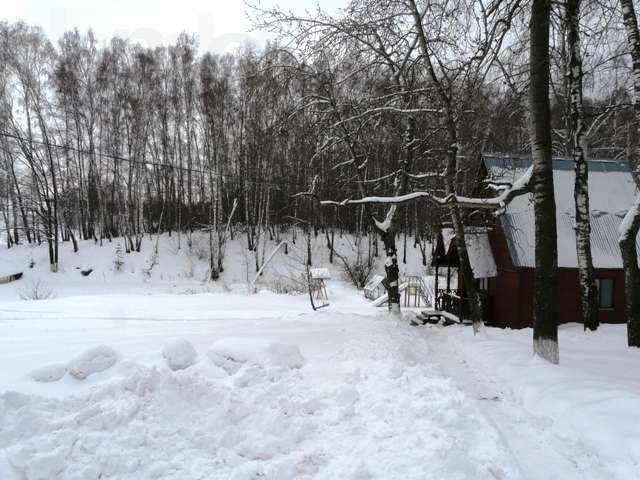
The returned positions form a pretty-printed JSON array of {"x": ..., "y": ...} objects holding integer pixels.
[{"x": 509, "y": 294}]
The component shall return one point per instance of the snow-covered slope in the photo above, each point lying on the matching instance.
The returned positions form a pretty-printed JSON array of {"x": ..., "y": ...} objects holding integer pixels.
[{"x": 181, "y": 266}]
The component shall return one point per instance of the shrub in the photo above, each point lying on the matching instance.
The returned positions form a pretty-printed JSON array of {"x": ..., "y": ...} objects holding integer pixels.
[{"x": 37, "y": 290}]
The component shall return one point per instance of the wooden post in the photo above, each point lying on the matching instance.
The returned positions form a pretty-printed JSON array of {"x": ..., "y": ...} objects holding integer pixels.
[{"x": 435, "y": 293}]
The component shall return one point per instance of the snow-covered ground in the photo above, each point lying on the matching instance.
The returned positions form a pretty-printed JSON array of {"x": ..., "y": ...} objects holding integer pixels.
[
  {"x": 181, "y": 266},
  {"x": 581, "y": 418},
  {"x": 339, "y": 395},
  {"x": 125, "y": 375}
]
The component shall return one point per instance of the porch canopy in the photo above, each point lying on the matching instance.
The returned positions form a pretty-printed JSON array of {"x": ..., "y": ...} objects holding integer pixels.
[{"x": 445, "y": 254}]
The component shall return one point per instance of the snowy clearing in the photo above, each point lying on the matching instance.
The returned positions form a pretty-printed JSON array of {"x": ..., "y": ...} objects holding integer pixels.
[
  {"x": 369, "y": 401},
  {"x": 132, "y": 376}
]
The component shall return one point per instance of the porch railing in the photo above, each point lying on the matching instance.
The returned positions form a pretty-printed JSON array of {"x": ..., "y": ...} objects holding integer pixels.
[{"x": 454, "y": 301}]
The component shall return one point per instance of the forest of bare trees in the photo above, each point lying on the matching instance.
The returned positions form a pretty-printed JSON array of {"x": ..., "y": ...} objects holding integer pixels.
[{"x": 354, "y": 121}]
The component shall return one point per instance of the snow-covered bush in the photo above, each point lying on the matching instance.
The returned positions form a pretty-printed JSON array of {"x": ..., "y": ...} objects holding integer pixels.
[
  {"x": 285, "y": 285},
  {"x": 358, "y": 265},
  {"x": 37, "y": 290},
  {"x": 199, "y": 248},
  {"x": 151, "y": 263}
]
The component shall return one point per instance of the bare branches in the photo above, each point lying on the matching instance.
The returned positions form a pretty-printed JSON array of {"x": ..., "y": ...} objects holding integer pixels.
[{"x": 521, "y": 187}]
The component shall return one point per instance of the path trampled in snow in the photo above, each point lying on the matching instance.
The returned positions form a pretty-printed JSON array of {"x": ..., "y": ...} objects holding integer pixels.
[{"x": 369, "y": 402}]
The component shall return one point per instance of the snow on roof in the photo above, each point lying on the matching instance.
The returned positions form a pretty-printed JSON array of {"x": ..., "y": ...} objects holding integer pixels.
[
  {"x": 320, "y": 273},
  {"x": 478, "y": 248},
  {"x": 611, "y": 193},
  {"x": 480, "y": 254},
  {"x": 374, "y": 282},
  {"x": 447, "y": 236}
]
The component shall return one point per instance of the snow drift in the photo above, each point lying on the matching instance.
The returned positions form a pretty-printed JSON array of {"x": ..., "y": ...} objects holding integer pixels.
[{"x": 231, "y": 353}]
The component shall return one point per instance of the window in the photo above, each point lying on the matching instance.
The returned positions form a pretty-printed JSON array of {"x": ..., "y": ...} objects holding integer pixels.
[
  {"x": 605, "y": 292},
  {"x": 483, "y": 284}
]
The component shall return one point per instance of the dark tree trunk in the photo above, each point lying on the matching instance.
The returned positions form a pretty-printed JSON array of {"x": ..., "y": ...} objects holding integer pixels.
[
  {"x": 631, "y": 274},
  {"x": 545, "y": 323},
  {"x": 391, "y": 270},
  {"x": 632, "y": 219},
  {"x": 73, "y": 240},
  {"x": 587, "y": 283}
]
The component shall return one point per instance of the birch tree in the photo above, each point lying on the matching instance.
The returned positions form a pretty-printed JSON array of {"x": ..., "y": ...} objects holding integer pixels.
[{"x": 586, "y": 278}]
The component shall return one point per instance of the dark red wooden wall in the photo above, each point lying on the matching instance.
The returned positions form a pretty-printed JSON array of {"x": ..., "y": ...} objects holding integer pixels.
[{"x": 510, "y": 293}]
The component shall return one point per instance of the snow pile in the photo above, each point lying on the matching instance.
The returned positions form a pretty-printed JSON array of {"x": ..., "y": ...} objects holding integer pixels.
[
  {"x": 49, "y": 373},
  {"x": 231, "y": 353},
  {"x": 94, "y": 360},
  {"x": 179, "y": 354}
]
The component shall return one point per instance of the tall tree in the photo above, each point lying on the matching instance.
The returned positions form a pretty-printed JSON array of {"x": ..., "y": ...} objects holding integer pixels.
[
  {"x": 545, "y": 326},
  {"x": 631, "y": 223},
  {"x": 586, "y": 278}
]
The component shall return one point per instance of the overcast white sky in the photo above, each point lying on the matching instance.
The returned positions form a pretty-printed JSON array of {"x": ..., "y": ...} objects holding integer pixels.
[{"x": 220, "y": 24}]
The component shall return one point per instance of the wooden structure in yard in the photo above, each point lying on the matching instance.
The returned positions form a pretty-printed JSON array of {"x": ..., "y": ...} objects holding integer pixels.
[
  {"x": 384, "y": 298},
  {"x": 413, "y": 289},
  {"x": 317, "y": 276},
  {"x": 509, "y": 294},
  {"x": 450, "y": 297},
  {"x": 374, "y": 288},
  {"x": 415, "y": 294}
]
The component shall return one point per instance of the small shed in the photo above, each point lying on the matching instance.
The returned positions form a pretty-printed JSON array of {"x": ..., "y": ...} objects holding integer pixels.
[{"x": 374, "y": 287}]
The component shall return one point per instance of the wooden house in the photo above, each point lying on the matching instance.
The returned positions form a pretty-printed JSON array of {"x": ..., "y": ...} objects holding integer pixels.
[{"x": 508, "y": 295}]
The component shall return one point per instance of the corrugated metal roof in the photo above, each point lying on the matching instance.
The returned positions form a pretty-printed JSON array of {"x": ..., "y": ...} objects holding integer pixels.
[{"x": 611, "y": 192}]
